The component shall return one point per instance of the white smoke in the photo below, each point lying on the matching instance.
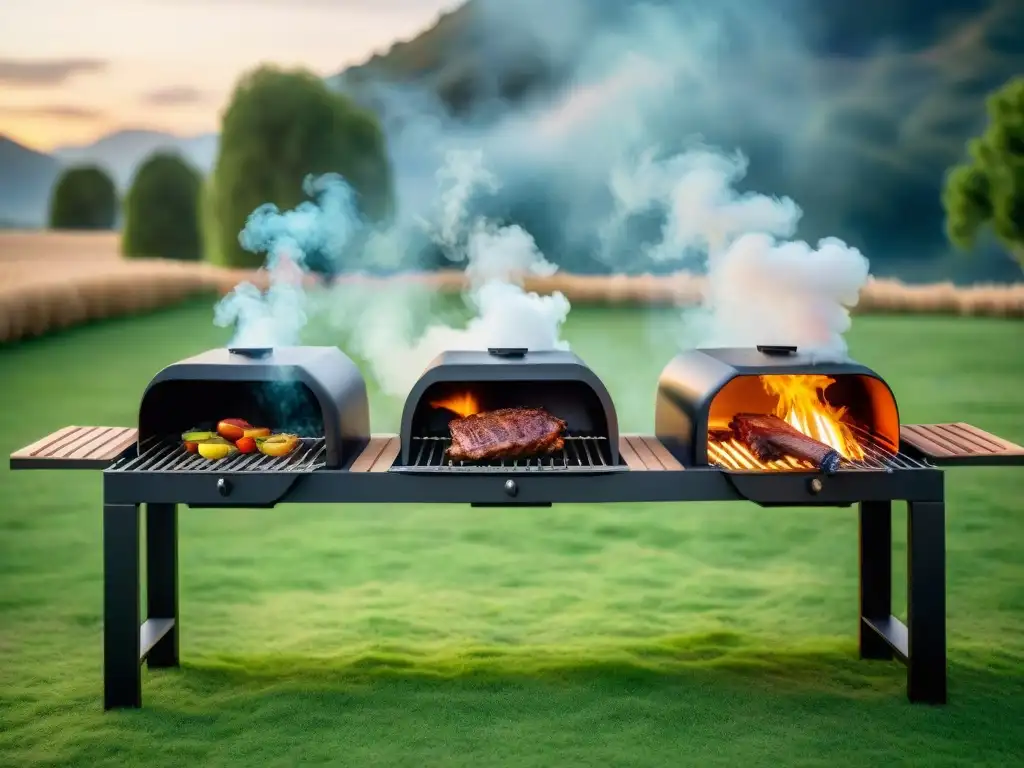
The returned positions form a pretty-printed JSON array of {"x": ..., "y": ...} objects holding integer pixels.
[
  {"x": 760, "y": 289},
  {"x": 663, "y": 73},
  {"x": 495, "y": 258},
  {"x": 323, "y": 228}
]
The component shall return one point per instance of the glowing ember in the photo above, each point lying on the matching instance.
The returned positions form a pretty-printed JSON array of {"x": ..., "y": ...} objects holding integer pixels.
[
  {"x": 802, "y": 404},
  {"x": 464, "y": 404}
]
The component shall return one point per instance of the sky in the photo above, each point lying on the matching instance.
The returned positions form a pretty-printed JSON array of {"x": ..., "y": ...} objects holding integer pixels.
[{"x": 72, "y": 71}]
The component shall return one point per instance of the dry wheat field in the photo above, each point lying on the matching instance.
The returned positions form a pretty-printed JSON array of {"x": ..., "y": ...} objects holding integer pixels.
[{"x": 51, "y": 280}]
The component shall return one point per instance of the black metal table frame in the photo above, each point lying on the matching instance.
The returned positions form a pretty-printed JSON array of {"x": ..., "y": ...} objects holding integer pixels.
[{"x": 129, "y": 640}]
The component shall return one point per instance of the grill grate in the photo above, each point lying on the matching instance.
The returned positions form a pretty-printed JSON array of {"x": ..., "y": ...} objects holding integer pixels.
[
  {"x": 164, "y": 456},
  {"x": 581, "y": 453},
  {"x": 731, "y": 454}
]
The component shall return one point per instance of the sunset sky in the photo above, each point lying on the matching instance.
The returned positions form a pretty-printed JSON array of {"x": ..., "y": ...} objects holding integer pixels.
[{"x": 74, "y": 70}]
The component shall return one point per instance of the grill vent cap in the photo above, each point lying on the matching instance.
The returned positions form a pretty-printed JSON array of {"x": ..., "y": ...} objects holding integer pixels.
[
  {"x": 253, "y": 353},
  {"x": 507, "y": 351},
  {"x": 776, "y": 350}
]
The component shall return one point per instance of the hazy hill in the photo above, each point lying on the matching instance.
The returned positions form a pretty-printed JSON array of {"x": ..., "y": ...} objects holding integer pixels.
[
  {"x": 854, "y": 109},
  {"x": 25, "y": 180},
  {"x": 27, "y": 176},
  {"x": 122, "y": 152}
]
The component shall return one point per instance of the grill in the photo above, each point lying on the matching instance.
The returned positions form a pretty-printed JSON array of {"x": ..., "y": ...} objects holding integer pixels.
[
  {"x": 318, "y": 393},
  {"x": 559, "y": 382},
  {"x": 580, "y": 453},
  {"x": 732, "y": 455},
  {"x": 159, "y": 456},
  {"x": 701, "y": 391}
]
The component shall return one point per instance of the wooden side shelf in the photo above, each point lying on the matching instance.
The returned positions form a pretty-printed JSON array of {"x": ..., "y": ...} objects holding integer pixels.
[
  {"x": 378, "y": 456},
  {"x": 960, "y": 444},
  {"x": 76, "y": 448},
  {"x": 646, "y": 454}
]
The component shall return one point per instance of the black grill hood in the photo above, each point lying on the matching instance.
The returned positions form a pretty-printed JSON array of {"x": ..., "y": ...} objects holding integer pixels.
[
  {"x": 555, "y": 379},
  {"x": 691, "y": 380},
  {"x": 320, "y": 386}
]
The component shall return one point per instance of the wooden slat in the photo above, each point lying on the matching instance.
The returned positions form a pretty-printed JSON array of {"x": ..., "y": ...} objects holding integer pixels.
[
  {"x": 56, "y": 447},
  {"x": 981, "y": 434},
  {"x": 646, "y": 455},
  {"x": 98, "y": 440},
  {"x": 76, "y": 448},
  {"x": 86, "y": 437},
  {"x": 388, "y": 455},
  {"x": 117, "y": 445},
  {"x": 369, "y": 455},
  {"x": 629, "y": 456},
  {"x": 41, "y": 445},
  {"x": 923, "y": 440},
  {"x": 668, "y": 461},
  {"x": 960, "y": 443}
]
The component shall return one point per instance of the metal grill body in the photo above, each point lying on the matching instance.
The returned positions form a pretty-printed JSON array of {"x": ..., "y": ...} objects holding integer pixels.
[
  {"x": 559, "y": 382},
  {"x": 701, "y": 390},
  {"x": 309, "y": 391},
  {"x": 346, "y": 466}
]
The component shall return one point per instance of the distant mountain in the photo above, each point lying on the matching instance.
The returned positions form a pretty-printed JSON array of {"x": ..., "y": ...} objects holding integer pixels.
[
  {"x": 26, "y": 177},
  {"x": 121, "y": 153},
  {"x": 858, "y": 122}
]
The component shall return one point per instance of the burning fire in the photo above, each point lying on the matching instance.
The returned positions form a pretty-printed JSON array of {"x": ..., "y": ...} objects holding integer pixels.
[
  {"x": 463, "y": 404},
  {"x": 802, "y": 404}
]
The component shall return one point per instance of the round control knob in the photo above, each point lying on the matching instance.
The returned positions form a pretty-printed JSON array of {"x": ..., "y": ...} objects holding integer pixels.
[
  {"x": 511, "y": 488},
  {"x": 223, "y": 486},
  {"x": 816, "y": 485}
]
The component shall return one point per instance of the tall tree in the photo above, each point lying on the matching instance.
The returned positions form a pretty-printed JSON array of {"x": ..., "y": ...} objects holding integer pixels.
[
  {"x": 280, "y": 127},
  {"x": 83, "y": 198},
  {"x": 988, "y": 191},
  {"x": 162, "y": 210}
]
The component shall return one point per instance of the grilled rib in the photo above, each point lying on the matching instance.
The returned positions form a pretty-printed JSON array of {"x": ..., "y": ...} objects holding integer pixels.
[
  {"x": 770, "y": 438},
  {"x": 507, "y": 433}
]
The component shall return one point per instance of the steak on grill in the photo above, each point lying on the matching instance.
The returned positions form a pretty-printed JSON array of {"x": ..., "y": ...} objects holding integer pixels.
[
  {"x": 507, "y": 433},
  {"x": 770, "y": 438}
]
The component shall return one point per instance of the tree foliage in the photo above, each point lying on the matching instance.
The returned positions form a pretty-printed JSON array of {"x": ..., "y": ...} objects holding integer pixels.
[
  {"x": 988, "y": 191},
  {"x": 279, "y": 127},
  {"x": 162, "y": 210},
  {"x": 83, "y": 198}
]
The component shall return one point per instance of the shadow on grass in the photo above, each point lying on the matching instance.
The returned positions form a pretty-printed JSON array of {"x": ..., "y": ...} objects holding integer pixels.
[
  {"x": 709, "y": 700},
  {"x": 826, "y": 668}
]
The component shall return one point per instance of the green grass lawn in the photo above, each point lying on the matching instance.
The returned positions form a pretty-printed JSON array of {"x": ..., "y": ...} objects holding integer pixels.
[{"x": 616, "y": 635}]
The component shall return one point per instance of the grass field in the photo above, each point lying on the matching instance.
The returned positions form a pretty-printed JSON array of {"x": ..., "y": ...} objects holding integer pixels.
[{"x": 618, "y": 635}]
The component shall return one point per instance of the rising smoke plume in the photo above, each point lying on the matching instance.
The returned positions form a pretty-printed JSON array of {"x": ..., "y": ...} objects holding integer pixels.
[
  {"x": 578, "y": 171},
  {"x": 762, "y": 287},
  {"x": 618, "y": 171},
  {"x": 495, "y": 259},
  {"x": 323, "y": 226},
  {"x": 386, "y": 328}
]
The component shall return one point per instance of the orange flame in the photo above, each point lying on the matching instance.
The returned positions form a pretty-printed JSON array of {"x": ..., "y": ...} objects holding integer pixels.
[
  {"x": 802, "y": 404},
  {"x": 464, "y": 404}
]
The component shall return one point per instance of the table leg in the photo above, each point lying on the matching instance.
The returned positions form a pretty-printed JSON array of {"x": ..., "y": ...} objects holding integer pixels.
[{"x": 122, "y": 676}]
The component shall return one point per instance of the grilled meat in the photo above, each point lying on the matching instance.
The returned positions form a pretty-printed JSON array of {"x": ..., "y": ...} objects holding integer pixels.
[
  {"x": 507, "y": 433},
  {"x": 770, "y": 438}
]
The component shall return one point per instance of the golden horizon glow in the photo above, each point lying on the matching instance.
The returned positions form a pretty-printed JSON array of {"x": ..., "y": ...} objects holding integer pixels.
[{"x": 178, "y": 45}]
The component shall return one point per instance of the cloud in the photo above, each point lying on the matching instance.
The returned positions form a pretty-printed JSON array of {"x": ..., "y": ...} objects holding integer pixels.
[
  {"x": 173, "y": 96},
  {"x": 56, "y": 111},
  {"x": 45, "y": 72}
]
